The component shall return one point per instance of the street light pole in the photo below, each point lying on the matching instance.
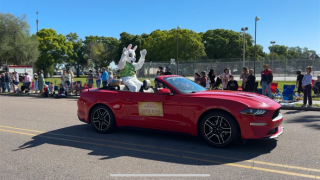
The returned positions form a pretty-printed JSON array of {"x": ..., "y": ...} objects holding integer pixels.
[
  {"x": 178, "y": 28},
  {"x": 272, "y": 42},
  {"x": 244, "y": 45},
  {"x": 255, "y": 45}
]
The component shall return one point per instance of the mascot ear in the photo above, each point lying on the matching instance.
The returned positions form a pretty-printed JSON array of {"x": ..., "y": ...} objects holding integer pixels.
[
  {"x": 129, "y": 47},
  {"x": 134, "y": 49}
]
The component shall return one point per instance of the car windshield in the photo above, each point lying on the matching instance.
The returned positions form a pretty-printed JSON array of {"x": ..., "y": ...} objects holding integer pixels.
[{"x": 184, "y": 85}]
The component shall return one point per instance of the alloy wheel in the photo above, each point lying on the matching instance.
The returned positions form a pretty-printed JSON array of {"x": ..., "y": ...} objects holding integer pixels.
[
  {"x": 217, "y": 129},
  {"x": 101, "y": 119}
]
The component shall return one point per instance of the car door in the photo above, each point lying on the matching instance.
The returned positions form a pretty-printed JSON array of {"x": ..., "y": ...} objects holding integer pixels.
[{"x": 169, "y": 120}]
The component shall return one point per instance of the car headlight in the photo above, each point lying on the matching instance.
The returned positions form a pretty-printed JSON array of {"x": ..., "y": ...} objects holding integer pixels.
[{"x": 253, "y": 112}]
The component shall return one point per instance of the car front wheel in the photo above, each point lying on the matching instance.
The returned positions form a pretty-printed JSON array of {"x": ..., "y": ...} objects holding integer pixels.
[
  {"x": 219, "y": 129},
  {"x": 102, "y": 119}
]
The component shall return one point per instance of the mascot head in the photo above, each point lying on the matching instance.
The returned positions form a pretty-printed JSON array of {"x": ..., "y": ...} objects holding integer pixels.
[{"x": 131, "y": 56}]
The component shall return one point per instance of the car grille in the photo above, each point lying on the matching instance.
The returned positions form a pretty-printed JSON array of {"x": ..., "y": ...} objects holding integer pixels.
[
  {"x": 273, "y": 131},
  {"x": 276, "y": 114}
]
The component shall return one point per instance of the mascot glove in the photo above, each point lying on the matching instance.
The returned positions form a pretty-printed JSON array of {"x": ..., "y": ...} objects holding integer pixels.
[
  {"x": 125, "y": 51},
  {"x": 143, "y": 53}
]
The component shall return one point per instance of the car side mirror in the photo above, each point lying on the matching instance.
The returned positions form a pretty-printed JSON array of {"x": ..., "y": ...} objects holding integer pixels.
[{"x": 164, "y": 91}]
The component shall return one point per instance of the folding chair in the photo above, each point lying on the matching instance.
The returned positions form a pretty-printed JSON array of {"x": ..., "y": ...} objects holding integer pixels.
[
  {"x": 47, "y": 83},
  {"x": 288, "y": 92}
]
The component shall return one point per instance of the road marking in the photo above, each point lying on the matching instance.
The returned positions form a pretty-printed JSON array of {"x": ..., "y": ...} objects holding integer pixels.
[
  {"x": 190, "y": 152},
  {"x": 160, "y": 175},
  {"x": 173, "y": 155}
]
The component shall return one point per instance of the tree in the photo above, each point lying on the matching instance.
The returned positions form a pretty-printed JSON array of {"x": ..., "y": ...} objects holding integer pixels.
[
  {"x": 101, "y": 50},
  {"x": 78, "y": 58},
  {"x": 54, "y": 49},
  {"x": 162, "y": 45},
  {"x": 222, "y": 43},
  {"x": 17, "y": 45},
  {"x": 279, "y": 49}
]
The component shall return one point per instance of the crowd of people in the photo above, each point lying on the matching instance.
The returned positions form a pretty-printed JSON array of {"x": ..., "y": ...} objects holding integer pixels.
[
  {"x": 213, "y": 81},
  {"x": 9, "y": 81}
]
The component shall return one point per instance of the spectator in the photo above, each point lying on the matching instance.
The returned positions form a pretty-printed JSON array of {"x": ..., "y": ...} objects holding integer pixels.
[
  {"x": 250, "y": 82},
  {"x": 41, "y": 81},
  {"x": 62, "y": 77},
  {"x": 232, "y": 84},
  {"x": 61, "y": 92},
  {"x": 98, "y": 79},
  {"x": 203, "y": 79},
  {"x": 110, "y": 77},
  {"x": 27, "y": 81},
  {"x": 35, "y": 78},
  {"x": 13, "y": 80},
  {"x": 161, "y": 70},
  {"x": 51, "y": 88},
  {"x": 306, "y": 86},
  {"x": 7, "y": 81},
  {"x": 67, "y": 76},
  {"x": 196, "y": 77},
  {"x": 266, "y": 80},
  {"x": 105, "y": 77},
  {"x": 212, "y": 77},
  {"x": 90, "y": 79},
  {"x": 244, "y": 75},
  {"x": 157, "y": 75},
  {"x": 1, "y": 82},
  {"x": 168, "y": 71},
  {"x": 316, "y": 87},
  {"x": 225, "y": 78},
  {"x": 45, "y": 89},
  {"x": 72, "y": 76},
  {"x": 299, "y": 82}
]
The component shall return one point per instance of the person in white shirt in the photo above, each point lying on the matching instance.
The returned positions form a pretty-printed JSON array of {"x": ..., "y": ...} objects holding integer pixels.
[
  {"x": 110, "y": 77},
  {"x": 225, "y": 77}
]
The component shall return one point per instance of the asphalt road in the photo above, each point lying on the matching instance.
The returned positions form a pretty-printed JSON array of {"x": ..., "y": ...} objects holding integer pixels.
[{"x": 43, "y": 139}]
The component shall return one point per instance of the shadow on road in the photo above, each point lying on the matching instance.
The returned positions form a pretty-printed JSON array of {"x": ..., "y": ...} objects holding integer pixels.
[
  {"x": 307, "y": 120},
  {"x": 158, "y": 146}
]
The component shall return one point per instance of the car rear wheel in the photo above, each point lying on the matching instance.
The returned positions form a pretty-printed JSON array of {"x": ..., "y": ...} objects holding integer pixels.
[
  {"x": 102, "y": 119},
  {"x": 219, "y": 129}
]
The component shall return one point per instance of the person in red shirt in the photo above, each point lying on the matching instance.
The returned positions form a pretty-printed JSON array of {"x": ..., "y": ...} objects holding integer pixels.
[
  {"x": 45, "y": 91},
  {"x": 266, "y": 80}
]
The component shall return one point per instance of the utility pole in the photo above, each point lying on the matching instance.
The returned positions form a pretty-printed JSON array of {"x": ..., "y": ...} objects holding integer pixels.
[
  {"x": 244, "y": 46},
  {"x": 272, "y": 42},
  {"x": 37, "y": 21}
]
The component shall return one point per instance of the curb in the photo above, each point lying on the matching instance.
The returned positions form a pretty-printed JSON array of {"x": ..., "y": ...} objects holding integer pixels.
[{"x": 300, "y": 108}]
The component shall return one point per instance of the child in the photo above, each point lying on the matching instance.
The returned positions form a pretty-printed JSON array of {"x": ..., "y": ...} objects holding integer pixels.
[
  {"x": 61, "y": 93},
  {"x": 299, "y": 83},
  {"x": 232, "y": 84},
  {"x": 51, "y": 88},
  {"x": 35, "y": 78},
  {"x": 225, "y": 78},
  {"x": 110, "y": 77},
  {"x": 45, "y": 91}
]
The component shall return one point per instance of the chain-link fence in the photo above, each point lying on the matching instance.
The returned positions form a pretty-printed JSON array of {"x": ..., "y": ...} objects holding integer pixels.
[{"x": 280, "y": 68}]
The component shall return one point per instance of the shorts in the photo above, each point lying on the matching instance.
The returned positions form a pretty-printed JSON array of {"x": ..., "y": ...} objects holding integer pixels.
[
  {"x": 300, "y": 90},
  {"x": 16, "y": 83}
]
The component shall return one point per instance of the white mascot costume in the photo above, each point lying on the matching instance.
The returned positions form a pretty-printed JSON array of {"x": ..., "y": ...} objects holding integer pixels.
[{"x": 127, "y": 66}]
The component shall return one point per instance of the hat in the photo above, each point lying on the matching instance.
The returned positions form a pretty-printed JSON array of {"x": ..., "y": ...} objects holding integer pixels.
[{"x": 168, "y": 67}]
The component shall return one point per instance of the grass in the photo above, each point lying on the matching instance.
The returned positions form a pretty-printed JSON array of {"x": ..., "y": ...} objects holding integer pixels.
[
  {"x": 299, "y": 105},
  {"x": 56, "y": 81}
]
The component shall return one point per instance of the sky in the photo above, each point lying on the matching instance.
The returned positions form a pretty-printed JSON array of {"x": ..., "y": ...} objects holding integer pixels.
[{"x": 288, "y": 22}]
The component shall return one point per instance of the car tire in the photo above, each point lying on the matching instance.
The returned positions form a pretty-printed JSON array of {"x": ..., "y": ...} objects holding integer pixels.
[
  {"x": 102, "y": 119},
  {"x": 219, "y": 129}
]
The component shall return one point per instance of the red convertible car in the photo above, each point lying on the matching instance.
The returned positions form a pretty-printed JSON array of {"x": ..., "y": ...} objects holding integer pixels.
[{"x": 180, "y": 105}]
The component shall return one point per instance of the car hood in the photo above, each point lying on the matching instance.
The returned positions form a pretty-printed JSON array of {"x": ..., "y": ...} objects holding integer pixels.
[{"x": 250, "y": 99}]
